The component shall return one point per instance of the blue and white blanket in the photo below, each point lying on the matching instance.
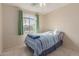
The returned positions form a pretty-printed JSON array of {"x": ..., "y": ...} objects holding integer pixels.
[{"x": 41, "y": 42}]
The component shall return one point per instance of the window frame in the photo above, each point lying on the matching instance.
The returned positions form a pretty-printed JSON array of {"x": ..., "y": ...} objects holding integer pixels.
[{"x": 29, "y": 17}]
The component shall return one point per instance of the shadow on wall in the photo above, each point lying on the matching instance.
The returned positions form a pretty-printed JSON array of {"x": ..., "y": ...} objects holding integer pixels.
[{"x": 68, "y": 43}]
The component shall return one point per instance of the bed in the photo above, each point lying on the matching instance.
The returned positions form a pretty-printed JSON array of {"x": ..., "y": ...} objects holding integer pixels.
[{"x": 43, "y": 43}]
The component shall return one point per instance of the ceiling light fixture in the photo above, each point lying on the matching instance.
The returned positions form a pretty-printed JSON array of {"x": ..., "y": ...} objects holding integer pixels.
[
  {"x": 42, "y": 4},
  {"x": 39, "y": 4}
]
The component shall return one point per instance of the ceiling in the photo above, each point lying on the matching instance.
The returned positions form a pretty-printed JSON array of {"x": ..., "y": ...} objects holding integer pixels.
[{"x": 36, "y": 8}]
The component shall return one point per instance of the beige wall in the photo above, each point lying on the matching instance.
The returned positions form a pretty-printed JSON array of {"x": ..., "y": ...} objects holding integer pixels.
[
  {"x": 0, "y": 28},
  {"x": 41, "y": 24},
  {"x": 65, "y": 19},
  {"x": 10, "y": 22}
]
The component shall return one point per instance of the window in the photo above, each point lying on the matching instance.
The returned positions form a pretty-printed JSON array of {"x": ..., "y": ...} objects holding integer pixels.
[{"x": 29, "y": 23}]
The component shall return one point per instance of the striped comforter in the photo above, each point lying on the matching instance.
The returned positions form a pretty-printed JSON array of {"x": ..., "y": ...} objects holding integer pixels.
[{"x": 45, "y": 41}]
